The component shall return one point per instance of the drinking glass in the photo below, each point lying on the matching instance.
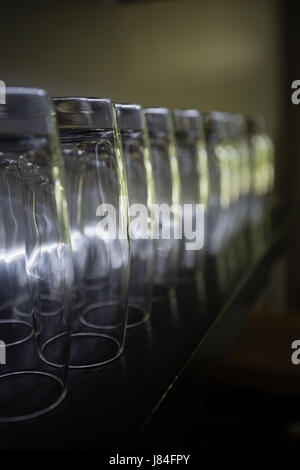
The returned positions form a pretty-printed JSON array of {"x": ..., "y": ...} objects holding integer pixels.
[
  {"x": 98, "y": 206},
  {"x": 262, "y": 180},
  {"x": 193, "y": 171},
  {"x": 136, "y": 149},
  {"x": 221, "y": 177},
  {"x": 36, "y": 270},
  {"x": 168, "y": 216},
  {"x": 241, "y": 205},
  {"x": 239, "y": 131},
  {"x": 223, "y": 194}
]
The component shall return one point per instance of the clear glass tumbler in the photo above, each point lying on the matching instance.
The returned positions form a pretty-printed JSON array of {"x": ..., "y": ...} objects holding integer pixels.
[
  {"x": 98, "y": 206},
  {"x": 168, "y": 216},
  {"x": 262, "y": 180},
  {"x": 136, "y": 149},
  {"x": 222, "y": 180},
  {"x": 223, "y": 163},
  {"x": 240, "y": 240},
  {"x": 36, "y": 271},
  {"x": 193, "y": 171},
  {"x": 239, "y": 131}
]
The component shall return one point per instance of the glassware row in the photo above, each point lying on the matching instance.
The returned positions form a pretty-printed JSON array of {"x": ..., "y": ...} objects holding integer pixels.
[{"x": 104, "y": 209}]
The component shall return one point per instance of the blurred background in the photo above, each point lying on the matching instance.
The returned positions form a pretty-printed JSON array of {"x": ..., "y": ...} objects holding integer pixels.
[
  {"x": 212, "y": 55},
  {"x": 208, "y": 54}
]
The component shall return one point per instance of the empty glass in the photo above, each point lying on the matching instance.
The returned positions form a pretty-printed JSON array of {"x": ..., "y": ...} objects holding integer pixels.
[
  {"x": 222, "y": 181},
  {"x": 239, "y": 135},
  {"x": 193, "y": 171},
  {"x": 241, "y": 205},
  {"x": 98, "y": 206},
  {"x": 223, "y": 163},
  {"x": 262, "y": 180},
  {"x": 136, "y": 150},
  {"x": 168, "y": 217},
  {"x": 35, "y": 257}
]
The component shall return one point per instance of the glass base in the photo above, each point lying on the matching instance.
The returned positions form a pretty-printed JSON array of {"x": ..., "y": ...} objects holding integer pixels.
[
  {"x": 136, "y": 316},
  {"x": 14, "y": 332},
  {"x": 88, "y": 349},
  {"x": 50, "y": 306},
  {"x": 103, "y": 315},
  {"x": 28, "y": 394}
]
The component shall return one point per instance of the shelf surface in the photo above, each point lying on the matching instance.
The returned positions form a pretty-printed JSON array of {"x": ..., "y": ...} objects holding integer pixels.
[{"x": 144, "y": 399}]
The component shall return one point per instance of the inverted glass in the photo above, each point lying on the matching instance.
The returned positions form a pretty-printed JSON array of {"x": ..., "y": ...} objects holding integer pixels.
[
  {"x": 240, "y": 138},
  {"x": 136, "y": 149},
  {"x": 168, "y": 218},
  {"x": 35, "y": 257},
  {"x": 224, "y": 180},
  {"x": 240, "y": 204},
  {"x": 193, "y": 171},
  {"x": 98, "y": 207},
  {"x": 262, "y": 180},
  {"x": 223, "y": 164}
]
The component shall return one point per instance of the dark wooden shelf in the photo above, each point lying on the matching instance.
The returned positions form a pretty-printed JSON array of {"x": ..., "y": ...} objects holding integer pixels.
[{"x": 145, "y": 398}]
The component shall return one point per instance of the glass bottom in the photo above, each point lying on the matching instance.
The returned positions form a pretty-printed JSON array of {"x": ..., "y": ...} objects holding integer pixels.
[
  {"x": 50, "y": 306},
  {"x": 136, "y": 316},
  {"x": 29, "y": 394},
  {"x": 103, "y": 315},
  {"x": 15, "y": 332},
  {"x": 87, "y": 350}
]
